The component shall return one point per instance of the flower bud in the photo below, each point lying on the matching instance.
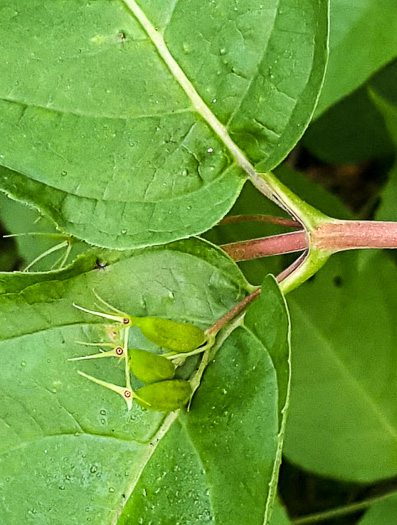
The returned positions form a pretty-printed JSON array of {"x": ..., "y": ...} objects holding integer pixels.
[
  {"x": 164, "y": 396},
  {"x": 149, "y": 367},
  {"x": 170, "y": 335}
]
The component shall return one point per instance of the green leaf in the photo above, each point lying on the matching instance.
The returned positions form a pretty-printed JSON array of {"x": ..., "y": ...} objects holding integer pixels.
[
  {"x": 388, "y": 107},
  {"x": 21, "y": 219},
  {"x": 238, "y": 397},
  {"x": 389, "y": 112},
  {"x": 387, "y": 210},
  {"x": 382, "y": 513},
  {"x": 268, "y": 321},
  {"x": 136, "y": 125},
  {"x": 88, "y": 456},
  {"x": 363, "y": 38},
  {"x": 279, "y": 516},
  {"x": 342, "y": 420}
]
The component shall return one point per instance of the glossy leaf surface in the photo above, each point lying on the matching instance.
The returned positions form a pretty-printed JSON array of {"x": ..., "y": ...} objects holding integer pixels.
[
  {"x": 268, "y": 321},
  {"x": 90, "y": 458},
  {"x": 127, "y": 123}
]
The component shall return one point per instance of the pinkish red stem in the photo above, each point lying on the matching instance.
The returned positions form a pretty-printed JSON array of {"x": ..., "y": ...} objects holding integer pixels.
[
  {"x": 290, "y": 223},
  {"x": 275, "y": 245},
  {"x": 337, "y": 236},
  {"x": 231, "y": 314}
]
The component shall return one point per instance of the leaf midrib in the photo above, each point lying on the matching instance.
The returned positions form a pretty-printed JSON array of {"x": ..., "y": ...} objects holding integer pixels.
[
  {"x": 156, "y": 439},
  {"x": 197, "y": 102}
]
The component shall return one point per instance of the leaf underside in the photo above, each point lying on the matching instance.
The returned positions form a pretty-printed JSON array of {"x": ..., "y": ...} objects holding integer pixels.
[{"x": 126, "y": 139}]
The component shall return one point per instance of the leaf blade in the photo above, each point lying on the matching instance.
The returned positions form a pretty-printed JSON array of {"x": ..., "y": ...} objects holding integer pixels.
[
  {"x": 70, "y": 431},
  {"x": 110, "y": 160},
  {"x": 342, "y": 419}
]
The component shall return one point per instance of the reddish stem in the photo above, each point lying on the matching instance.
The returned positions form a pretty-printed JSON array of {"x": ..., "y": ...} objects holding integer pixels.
[
  {"x": 231, "y": 314},
  {"x": 261, "y": 218},
  {"x": 275, "y": 245},
  {"x": 348, "y": 235},
  {"x": 291, "y": 268},
  {"x": 239, "y": 307}
]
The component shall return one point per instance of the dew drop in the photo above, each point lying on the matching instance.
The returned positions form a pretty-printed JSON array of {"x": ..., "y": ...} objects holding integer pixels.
[
  {"x": 111, "y": 490},
  {"x": 23, "y": 363},
  {"x": 93, "y": 469},
  {"x": 185, "y": 172},
  {"x": 103, "y": 421},
  {"x": 210, "y": 150},
  {"x": 214, "y": 100},
  {"x": 102, "y": 412},
  {"x": 123, "y": 231},
  {"x": 64, "y": 173},
  {"x": 222, "y": 51},
  {"x": 62, "y": 487}
]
